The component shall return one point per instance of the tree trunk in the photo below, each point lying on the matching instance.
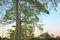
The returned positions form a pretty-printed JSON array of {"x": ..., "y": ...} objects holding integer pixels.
[{"x": 18, "y": 23}]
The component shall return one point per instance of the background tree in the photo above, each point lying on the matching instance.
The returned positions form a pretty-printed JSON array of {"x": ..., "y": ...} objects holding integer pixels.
[
  {"x": 57, "y": 38},
  {"x": 46, "y": 36}
]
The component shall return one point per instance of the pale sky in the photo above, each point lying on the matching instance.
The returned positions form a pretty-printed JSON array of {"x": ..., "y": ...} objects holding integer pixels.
[{"x": 52, "y": 21}]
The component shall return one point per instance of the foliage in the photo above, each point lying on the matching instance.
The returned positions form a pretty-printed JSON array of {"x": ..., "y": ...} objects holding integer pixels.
[
  {"x": 5, "y": 38},
  {"x": 30, "y": 32},
  {"x": 29, "y": 15},
  {"x": 11, "y": 32},
  {"x": 46, "y": 36}
]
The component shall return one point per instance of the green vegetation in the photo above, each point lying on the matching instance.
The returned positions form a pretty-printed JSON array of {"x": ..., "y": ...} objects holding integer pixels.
[
  {"x": 43, "y": 36},
  {"x": 46, "y": 36},
  {"x": 4, "y": 38},
  {"x": 29, "y": 34}
]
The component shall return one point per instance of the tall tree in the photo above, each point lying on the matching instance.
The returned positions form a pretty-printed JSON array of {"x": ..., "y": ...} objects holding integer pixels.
[
  {"x": 29, "y": 15},
  {"x": 18, "y": 25}
]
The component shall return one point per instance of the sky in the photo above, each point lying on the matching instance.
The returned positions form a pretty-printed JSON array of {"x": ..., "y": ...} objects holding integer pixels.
[{"x": 51, "y": 22}]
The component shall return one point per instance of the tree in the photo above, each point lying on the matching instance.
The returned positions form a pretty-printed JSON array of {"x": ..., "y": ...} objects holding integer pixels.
[
  {"x": 45, "y": 35},
  {"x": 57, "y": 38},
  {"x": 28, "y": 17},
  {"x": 18, "y": 25}
]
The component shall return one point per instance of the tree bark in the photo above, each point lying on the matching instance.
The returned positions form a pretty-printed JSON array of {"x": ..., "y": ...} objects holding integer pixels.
[{"x": 18, "y": 23}]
